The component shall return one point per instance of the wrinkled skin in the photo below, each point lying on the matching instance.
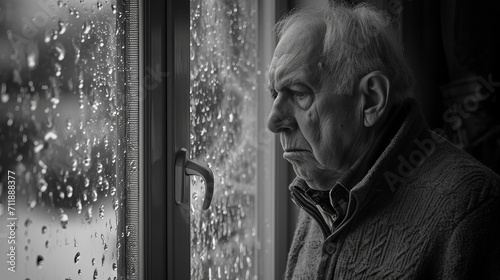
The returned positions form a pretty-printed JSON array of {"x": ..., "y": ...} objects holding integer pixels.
[{"x": 321, "y": 132}]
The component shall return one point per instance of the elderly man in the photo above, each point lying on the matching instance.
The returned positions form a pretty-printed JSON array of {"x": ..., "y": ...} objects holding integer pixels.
[{"x": 383, "y": 197}]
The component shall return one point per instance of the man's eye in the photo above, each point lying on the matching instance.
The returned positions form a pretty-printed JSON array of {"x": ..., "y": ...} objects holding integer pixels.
[
  {"x": 299, "y": 94},
  {"x": 303, "y": 99}
]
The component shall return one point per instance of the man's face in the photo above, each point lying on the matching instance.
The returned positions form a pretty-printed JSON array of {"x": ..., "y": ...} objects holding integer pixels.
[{"x": 318, "y": 127}]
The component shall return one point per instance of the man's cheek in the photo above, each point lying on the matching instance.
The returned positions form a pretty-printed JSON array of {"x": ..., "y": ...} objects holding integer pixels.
[
  {"x": 311, "y": 129},
  {"x": 327, "y": 146}
]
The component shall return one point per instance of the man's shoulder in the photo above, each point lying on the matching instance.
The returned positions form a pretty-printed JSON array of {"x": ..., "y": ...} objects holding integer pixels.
[{"x": 451, "y": 172}]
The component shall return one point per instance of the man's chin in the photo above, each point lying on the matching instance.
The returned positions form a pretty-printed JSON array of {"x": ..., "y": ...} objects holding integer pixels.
[{"x": 316, "y": 176}]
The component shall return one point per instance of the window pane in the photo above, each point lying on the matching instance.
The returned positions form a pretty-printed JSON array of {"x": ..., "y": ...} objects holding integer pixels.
[
  {"x": 61, "y": 139},
  {"x": 223, "y": 136}
]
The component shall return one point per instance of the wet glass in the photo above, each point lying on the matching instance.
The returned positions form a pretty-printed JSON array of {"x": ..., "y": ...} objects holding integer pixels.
[
  {"x": 61, "y": 139},
  {"x": 223, "y": 129}
]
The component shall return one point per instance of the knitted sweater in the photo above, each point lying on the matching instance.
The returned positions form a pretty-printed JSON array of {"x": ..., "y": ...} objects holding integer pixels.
[{"x": 424, "y": 210}]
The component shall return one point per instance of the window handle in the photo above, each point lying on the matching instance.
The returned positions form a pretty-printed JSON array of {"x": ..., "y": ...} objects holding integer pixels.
[{"x": 185, "y": 167}]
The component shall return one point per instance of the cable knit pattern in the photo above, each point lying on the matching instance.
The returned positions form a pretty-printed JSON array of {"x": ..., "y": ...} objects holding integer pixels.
[{"x": 439, "y": 220}]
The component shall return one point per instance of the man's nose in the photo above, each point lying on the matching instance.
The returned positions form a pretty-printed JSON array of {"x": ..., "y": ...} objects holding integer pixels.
[{"x": 281, "y": 118}]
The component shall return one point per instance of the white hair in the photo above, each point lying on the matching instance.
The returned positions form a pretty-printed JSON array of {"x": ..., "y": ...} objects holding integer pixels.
[{"x": 357, "y": 40}]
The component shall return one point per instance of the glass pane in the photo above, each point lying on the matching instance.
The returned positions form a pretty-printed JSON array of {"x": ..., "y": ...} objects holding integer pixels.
[
  {"x": 61, "y": 98},
  {"x": 223, "y": 136}
]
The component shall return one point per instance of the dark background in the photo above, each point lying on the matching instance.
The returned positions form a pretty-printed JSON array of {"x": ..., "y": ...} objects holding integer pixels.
[{"x": 452, "y": 47}]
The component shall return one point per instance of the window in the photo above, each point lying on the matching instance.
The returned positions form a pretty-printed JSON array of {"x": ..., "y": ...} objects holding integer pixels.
[
  {"x": 223, "y": 135},
  {"x": 96, "y": 99},
  {"x": 230, "y": 46},
  {"x": 64, "y": 146}
]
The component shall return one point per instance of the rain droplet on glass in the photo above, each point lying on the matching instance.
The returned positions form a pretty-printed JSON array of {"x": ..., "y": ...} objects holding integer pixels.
[
  {"x": 63, "y": 218},
  {"x": 39, "y": 261}
]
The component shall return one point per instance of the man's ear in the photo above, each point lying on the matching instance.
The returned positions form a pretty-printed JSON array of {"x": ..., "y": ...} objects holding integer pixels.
[{"x": 374, "y": 96}]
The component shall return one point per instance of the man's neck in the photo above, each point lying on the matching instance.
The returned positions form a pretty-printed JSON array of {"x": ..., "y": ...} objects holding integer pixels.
[{"x": 374, "y": 145}]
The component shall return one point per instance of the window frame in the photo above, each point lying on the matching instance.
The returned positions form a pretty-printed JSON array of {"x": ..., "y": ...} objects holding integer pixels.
[{"x": 165, "y": 53}]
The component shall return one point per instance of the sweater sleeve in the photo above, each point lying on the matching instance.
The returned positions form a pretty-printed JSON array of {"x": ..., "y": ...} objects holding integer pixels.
[{"x": 473, "y": 252}]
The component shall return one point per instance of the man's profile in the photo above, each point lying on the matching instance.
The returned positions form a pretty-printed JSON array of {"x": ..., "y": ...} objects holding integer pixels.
[{"x": 383, "y": 197}]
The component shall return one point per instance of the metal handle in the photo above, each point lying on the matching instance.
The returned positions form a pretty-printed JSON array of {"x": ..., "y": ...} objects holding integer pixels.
[{"x": 185, "y": 167}]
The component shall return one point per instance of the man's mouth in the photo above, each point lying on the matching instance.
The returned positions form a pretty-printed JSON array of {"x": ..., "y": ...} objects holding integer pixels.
[{"x": 295, "y": 150}]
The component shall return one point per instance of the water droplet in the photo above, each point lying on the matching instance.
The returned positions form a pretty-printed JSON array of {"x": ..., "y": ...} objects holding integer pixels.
[
  {"x": 62, "y": 27},
  {"x": 4, "y": 97},
  {"x": 99, "y": 5},
  {"x": 86, "y": 161},
  {"x": 114, "y": 266},
  {"x": 38, "y": 147},
  {"x": 94, "y": 195},
  {"x": 27, "y": 223},
  {"x": 99, "y": 167},
  {"x": 79, "y": 272},
  {"x": 32, "y": 58},
  {"x": 88, "y": 214},
  {"x": 31, "y": 203},
  {"x": 87, "y": 182},
  {"x": 86, "y": 27},
  {"x": 78, "y": 206},
  {"x": 112, "y": 191},
  {"x": 77, "y": 257},
  {"x": 133, "y": 165},
  {"x": 39, "y": 261},
  {"x": 115, "y": 204},
  {"x": 58, "y": 68},
  {"x": 93, "y": 261},
  {"x": 48, "y": 36},
  {"x": 44, "y": 229},
  {"x": 42, "y": 185},
  {"x": 113, "y": 8},
  {"x": 33, "y": 106},
  {"x": 50, "y": 135},
  {"x": 10, "y": 119},
  {"x": 63, "y": 218},
  {"x": 106, "y": 184},
  {"x": 95, "y": 274},
  {"x": 60, "y": 51},
  {"x": 101, "y": 211},
  {"x": 69, "y": 191},
  {"x": 59, "y": 3},
  {"x": 195, "y": 196}
]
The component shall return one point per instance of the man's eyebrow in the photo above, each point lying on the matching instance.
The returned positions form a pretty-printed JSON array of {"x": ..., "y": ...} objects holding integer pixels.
[{"x": 290, "y": 84}]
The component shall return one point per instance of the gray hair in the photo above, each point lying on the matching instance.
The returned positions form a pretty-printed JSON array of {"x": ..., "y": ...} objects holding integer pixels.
[{"x": 357, "y": 40}]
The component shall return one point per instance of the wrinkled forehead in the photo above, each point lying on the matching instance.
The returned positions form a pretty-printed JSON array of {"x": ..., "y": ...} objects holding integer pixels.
[{"x": 299, "y": 46}]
